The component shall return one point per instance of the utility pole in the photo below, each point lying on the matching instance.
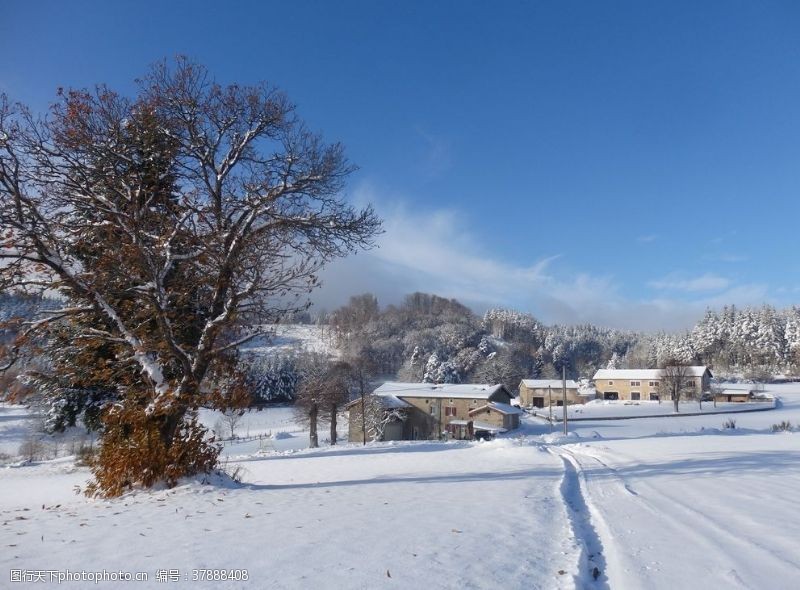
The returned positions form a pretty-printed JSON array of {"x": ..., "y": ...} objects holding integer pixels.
[
  {"x": 564, "y": 395},
  {"x": 550, "y": 405},
  {"x": 439, "y": 434},
  {"x": 363, "y": 411}
]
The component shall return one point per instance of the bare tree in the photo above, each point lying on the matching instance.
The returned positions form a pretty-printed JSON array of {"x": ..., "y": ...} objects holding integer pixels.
[
  {"x": 377, "y": 415},
  {"x": 676, "y": 381},
  {"x": 362, "y": 371},
  {"x": 172, "y": 223},
  {"x": 336, "y": 393},
  {"x": 231, "y": 418},
  {"x": 311, "y": 392}
]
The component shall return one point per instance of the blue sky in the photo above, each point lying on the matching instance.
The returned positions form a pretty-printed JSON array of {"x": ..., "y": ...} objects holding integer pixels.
[{"x": 626, "y": 163}]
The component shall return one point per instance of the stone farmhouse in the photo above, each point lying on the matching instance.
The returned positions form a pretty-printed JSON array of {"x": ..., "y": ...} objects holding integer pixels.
[
  {"x": 539, "y": 393},
  {"x": 644, "y": 384},
  {"x": 431, "y": 411}
]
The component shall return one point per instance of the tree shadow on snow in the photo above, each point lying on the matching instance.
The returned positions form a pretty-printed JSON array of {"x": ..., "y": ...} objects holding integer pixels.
[
  {"x": 417, "y": 479},
  {"x": 735, "y": 462},
  {"x": 422, "y": 447}
]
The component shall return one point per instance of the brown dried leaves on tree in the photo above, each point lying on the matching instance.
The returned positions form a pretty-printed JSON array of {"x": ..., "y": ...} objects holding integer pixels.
[{"x": 173, "y": 224}]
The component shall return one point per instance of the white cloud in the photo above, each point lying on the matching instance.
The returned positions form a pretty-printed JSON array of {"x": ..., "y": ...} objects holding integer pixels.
[
  {"x": 440, "y": 251},
  {"x": 675, "y": 282}
]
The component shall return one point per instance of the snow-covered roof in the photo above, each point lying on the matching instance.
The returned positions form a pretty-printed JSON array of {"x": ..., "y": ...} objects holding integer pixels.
[
  {"x": 545, "y": 383},
  {"x": 695, "y": 371},
  {"x": 500, "y": 407},
  {"x": 392, "y": 401},
  {"x": 389, "y": 401},
  {"x": 448, "y": 390},
  {"x": 736, "y": 392}
]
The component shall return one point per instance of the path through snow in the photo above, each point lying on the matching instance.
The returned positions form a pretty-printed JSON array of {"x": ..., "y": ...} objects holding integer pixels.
[{"x": 712, "y": 512}]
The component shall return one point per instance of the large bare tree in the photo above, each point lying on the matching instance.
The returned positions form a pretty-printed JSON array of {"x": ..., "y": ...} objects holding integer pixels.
[
  {"x": 676, "y": 381},
  {"x": 173, "y": 224}
]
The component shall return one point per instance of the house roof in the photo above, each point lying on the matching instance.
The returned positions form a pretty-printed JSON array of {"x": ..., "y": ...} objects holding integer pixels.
[
  {"x": 545, "y": 383},
  {"x": 736, "y": 392},
  {"x": 389, "y": 401},
  {"x": 695, "y": 371},
  {"x": 499, "y": 407},
  {"x": 443, "y": 390}
]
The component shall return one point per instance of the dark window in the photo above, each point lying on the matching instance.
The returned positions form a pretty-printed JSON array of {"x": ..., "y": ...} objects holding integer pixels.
[
  {"x": 635, "y": 395},
  {"x": 653, "y": 397}
]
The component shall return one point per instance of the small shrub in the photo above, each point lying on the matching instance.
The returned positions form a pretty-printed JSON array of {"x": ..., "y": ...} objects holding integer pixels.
[
  {"x": 783, "y": 426},
  {"x": 235, "y": 472},
  {"x": 729, "y": 424},
  {"x": 133, "y": 453}
]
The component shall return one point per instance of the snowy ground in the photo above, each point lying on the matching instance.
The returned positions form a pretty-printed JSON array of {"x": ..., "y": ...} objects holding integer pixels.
[
  {"x": 291, "y": 338},
  {"x": 668, "y": 502},
  {"x": 639, "y": 409}
]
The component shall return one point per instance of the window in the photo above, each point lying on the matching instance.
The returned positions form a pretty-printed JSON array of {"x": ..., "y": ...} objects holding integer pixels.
[
  {"x": 690, "y": 383},
  {"x": 611, "y": 383},
  {"x": 653, "y": 397},
  {"x": 636, "y": 396},
  {"x": 449, "y": 411},
  {"x": 654, "y": 384},
  {"x": 636, "y": 383}
]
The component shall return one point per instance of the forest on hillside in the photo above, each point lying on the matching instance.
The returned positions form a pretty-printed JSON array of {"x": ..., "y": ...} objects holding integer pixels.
[
  {"x": 429, "y": 338},
  {"x": 434, "y": 339}
]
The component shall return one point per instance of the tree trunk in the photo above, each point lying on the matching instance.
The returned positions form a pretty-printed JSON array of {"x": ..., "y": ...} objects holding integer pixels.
[
  {"x": 333, "y": 425},
  {"x": 312, "y": 420},
  {"x": 676, "y": 398},
  {"x": 170, "y": 426},
  {"x": 363, "y": 419}
]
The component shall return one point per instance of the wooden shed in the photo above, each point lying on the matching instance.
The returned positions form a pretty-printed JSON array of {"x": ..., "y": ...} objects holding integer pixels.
[
  {"x": 734, "y": 395},
  {"x": 497, "y": 414}
]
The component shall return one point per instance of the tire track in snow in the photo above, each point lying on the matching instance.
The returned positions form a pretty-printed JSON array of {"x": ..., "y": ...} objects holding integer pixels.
[
  {"x": 591, "y": 563},
  {"x": 694, "y": 515},
  {"x": 663, "y": 518}
]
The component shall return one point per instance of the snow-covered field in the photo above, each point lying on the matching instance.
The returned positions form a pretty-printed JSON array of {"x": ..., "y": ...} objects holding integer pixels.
[
  {"x": 272, "y": 429},
  {"x": 597, "y": 409},
  {"x": 291, "y": 338},
  {"x": 667, "y": 502}
]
